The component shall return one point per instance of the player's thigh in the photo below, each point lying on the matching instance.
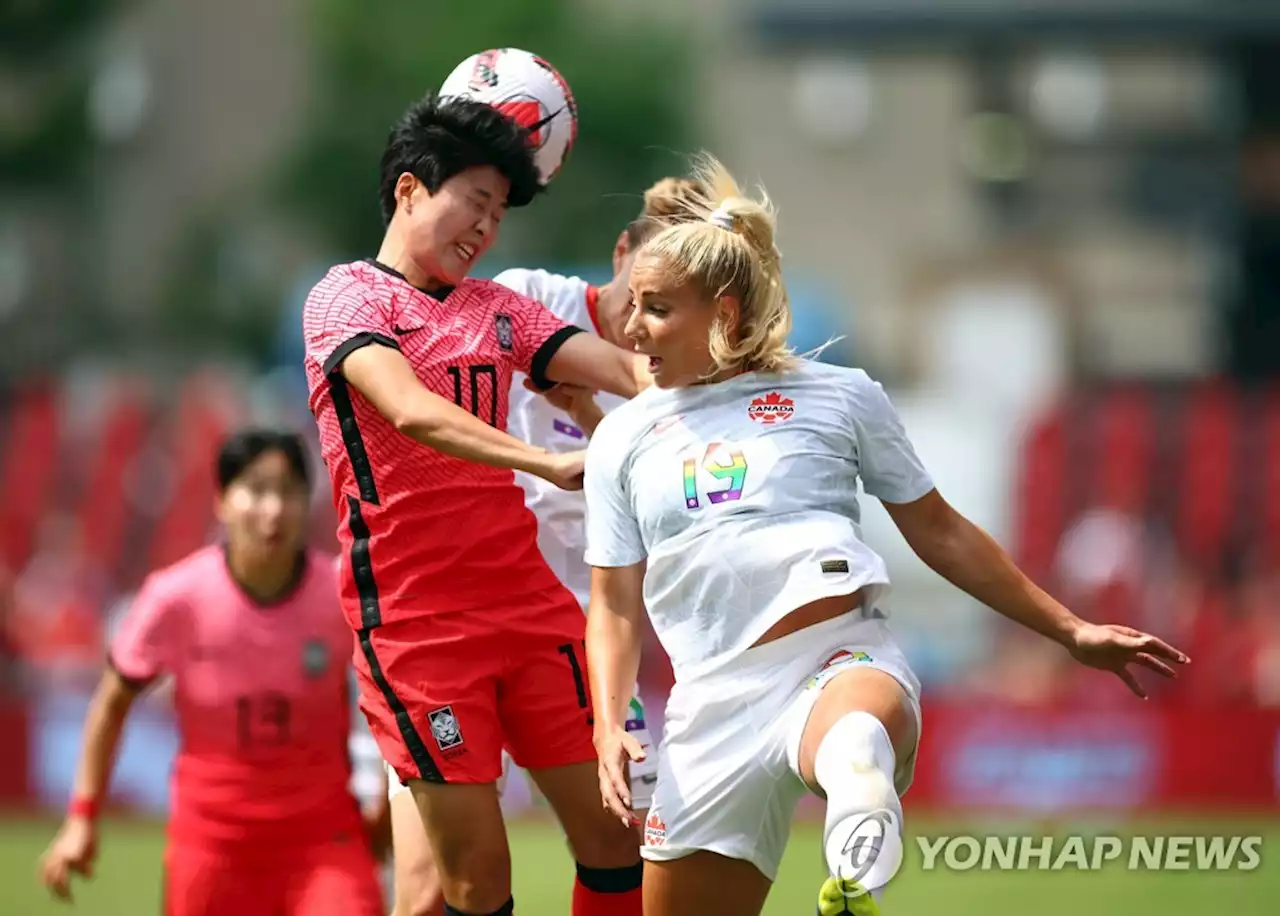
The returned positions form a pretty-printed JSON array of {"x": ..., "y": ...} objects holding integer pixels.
[
  {"x": 430, "y": 697},
  {"x": 417, "y": 883},
  {"x": 701, "y": 883},
  {"x": 337, "y": 879},
  {"x": 860, "y": 689},
  {"x": 545, "y": 704},
  {"x": 598, "y": 838},
  {"x": 468, "y": 840},
  {"x": 723, "y": 782},
  {"x": 200, "y": 882}
]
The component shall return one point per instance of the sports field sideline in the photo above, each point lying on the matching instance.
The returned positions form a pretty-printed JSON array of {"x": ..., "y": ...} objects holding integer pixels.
[{"x": 129, "y": 874}]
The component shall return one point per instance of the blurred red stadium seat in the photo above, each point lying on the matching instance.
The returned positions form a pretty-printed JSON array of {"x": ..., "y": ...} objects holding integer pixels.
[
  {"x": 106, "y": 503},
  {"x": 1040, "y": 499},
  {"x": 29, "y": 466},
  {"x": 1206, "y": 486}
]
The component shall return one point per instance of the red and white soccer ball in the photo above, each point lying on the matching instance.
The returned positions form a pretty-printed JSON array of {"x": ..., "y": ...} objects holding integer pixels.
[{"x": 527, "y": 88}]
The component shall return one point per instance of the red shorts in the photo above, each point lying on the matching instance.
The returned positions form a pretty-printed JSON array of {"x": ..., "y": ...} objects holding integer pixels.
[
  {"x": 443, "y": 699},
  {"x": 331, "y": 880}
]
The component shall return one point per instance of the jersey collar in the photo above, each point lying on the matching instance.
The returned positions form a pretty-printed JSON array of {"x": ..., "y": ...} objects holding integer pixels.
[
  {"x": 442, "y": 293},
  {"x": 593, "y": 306},
  {"x": 290, "y": 588}
]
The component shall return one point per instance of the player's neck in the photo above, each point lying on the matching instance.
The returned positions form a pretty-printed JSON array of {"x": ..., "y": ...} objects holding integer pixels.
[
  {"x": 392, "y": 254},
  {"x": 266, "y": 581}
]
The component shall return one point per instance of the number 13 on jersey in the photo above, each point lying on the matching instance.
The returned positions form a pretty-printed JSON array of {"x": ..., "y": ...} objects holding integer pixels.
[{"x": 730, "y": 466}]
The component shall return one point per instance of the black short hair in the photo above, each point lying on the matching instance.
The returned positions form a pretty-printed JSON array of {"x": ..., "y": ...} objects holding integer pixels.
[
  {"x": 439, "y": 137},
  {"x": 244, "y": 447}
]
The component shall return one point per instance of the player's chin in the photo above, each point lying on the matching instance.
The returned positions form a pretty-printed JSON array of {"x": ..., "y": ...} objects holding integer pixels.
[{"x": 455, "y": 268}]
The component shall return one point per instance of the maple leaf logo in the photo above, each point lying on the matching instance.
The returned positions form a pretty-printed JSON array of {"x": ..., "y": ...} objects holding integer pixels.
[
  {"x": 772, "y": 408},
  {"x": 655, "y": 832}
]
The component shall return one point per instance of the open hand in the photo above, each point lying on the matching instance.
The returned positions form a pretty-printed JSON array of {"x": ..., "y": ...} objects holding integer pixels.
[
  {"x": 615, "y": 749},
  {"x": 1114, "y": 648},
  {"x": 72, "y": 850}
]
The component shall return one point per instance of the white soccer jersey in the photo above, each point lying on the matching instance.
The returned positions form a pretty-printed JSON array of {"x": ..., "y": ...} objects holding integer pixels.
[
  {"x": 532, "y": 418},
  {"x": 743, "y": 498}
]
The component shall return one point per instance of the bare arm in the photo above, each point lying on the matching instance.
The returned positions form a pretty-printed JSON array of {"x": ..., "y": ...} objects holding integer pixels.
[
  {"x": 103, "y": 724},
  {"x": 590, "y": 362},
  {"x": 384, "y": 376},
  {"x": 577, "y": 402},
  {"x": 76, "y": 845},
  {"x": 615, "y": 618},
  {"x": 613, "y": 659},
  {"x": 969, "y": 558}
]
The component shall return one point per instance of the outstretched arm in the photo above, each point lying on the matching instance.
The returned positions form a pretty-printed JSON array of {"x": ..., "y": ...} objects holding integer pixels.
[
  {"x": 384, "y": 376},
  {"x": 969, "y": 558},
  {"x": 590, "y": 362}
]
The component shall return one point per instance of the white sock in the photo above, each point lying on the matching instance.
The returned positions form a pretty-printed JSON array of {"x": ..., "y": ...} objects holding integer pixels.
[{"x": 862, "y": 837}]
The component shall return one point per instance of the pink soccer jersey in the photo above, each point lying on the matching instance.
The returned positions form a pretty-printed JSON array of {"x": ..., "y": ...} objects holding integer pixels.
[
  {"x": 262, "y": 700},
  {"x": 425, "y": 533}
]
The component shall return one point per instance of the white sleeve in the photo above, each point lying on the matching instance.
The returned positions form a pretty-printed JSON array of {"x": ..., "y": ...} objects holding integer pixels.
[
  {"x": 520, "y": 280},
  {"x": 887, "y": 462},
  {"x": 613, "y": 533}
]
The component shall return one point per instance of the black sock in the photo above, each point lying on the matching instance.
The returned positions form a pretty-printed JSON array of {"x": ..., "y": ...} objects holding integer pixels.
[
  {"x": 611, "y": 880},
  {"x": 507, "y": 909}
]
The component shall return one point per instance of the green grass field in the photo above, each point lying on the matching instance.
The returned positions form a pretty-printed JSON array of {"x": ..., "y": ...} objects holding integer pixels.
[{"x": 129, "y": 874}]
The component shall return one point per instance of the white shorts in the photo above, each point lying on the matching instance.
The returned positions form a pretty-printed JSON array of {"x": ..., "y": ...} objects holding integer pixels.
[
  {"x": 644, "y": 774},
  {"x": 728, "y": 772}
]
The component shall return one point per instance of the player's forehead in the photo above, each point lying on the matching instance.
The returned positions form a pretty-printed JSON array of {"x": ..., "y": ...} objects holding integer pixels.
[
  {"x": 652, "y": 278},
  {"x": 482, "y": 181},
  {"x": 271, "y": 467}
]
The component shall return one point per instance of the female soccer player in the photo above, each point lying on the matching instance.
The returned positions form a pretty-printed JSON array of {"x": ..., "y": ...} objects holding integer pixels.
[
  {"x": 559, "y": 420},
  {"x": 262, "y": 821},
  {"x": 467, "y": 641},
  {"x": 724, "y": 500}
]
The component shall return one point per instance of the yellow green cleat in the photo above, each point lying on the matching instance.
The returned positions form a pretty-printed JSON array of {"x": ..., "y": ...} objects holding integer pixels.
[{"x": 843, "y": 896}]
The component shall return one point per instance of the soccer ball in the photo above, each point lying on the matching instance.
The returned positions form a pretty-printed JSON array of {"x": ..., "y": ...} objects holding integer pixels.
[{"x": 525, "y": 87}]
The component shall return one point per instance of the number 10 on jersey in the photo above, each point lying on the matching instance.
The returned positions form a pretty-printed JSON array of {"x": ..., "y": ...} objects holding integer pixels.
[{"x": 734, "y": 470}]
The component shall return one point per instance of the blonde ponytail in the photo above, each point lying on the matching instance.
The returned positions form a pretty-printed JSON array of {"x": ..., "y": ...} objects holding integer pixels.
[{"x": 724, "y": 245}]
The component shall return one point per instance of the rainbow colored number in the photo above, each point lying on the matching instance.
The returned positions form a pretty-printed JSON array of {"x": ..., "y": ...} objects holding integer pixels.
[{"x": 735, "y": 472}]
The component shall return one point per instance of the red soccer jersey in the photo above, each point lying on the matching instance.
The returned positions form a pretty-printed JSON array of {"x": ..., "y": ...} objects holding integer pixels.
[
  {"x": 425, "y": 533},
  {"x": 262, "y": 695}
]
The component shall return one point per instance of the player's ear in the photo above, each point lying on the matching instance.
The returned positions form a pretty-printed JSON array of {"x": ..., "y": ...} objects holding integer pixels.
[
  {"x": 220, "y": 507},
  {"x": 621, "y": 248},
  {"x": 728, "y": 314},
  {"x": 406, "y": 184}
]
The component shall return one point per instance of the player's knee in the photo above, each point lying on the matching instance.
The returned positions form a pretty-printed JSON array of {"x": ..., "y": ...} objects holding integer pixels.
[
  {"x": 855, "y": 763},
  {"x": 610, "y": 845},
  {"x": 419, "y": 898},
  {"x": 475, "y": 878}
]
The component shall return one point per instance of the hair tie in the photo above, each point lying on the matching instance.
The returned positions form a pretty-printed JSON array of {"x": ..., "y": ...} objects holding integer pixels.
[{"x": 722, "y": 218}]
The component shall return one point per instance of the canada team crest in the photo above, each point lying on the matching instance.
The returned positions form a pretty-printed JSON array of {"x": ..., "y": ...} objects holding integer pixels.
[
  {"x": 772, "y": 408},
  {"x": 655, "y": 832}
]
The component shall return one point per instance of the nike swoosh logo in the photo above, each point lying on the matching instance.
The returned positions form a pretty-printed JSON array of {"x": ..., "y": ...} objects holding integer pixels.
[
  {"x": 400, "y": 332},
  {"x": 663, "y": 425}
]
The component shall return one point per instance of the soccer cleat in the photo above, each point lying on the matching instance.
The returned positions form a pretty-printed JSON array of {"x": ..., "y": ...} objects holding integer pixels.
[{"x": 846, "y": 896}]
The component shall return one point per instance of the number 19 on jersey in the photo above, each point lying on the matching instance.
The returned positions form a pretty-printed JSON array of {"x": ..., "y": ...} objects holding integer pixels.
[{"x": 730, "y": 466}]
